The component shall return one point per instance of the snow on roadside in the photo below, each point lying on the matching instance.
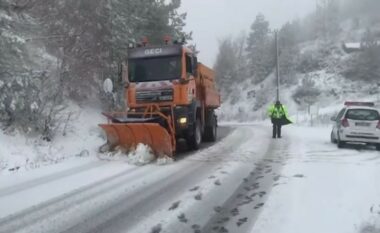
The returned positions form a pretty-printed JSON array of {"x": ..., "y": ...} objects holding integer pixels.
[
  {"x": 141, "y": 156},
  {"x": 323, "y": 189},
  {"x": 52, "y": 182},
  {"x": 83, "y": 138}
]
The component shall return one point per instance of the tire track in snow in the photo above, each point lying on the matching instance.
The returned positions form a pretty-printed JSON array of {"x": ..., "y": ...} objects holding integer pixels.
[
  {"x": 36, "y": 213},
  {"x": 198, "y": 205},
  {"x": 110, "y": 199},
  {"x": 153, "y": 196},
  {"x": 251, "y": 195},
  {"x": 127, "y": 211},
  {"x": 46, "y": 179}
]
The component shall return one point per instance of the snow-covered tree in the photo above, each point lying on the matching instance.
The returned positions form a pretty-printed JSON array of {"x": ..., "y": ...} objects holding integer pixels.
[
  {"x": 230, "y": 65},
  {"x": 365, "y": 65},
  {"x": 75, "y": 44},
  {"x": 328, "y": 19},
  {"x": 289, "y": 52},
  {"x": 260, "y": 49}
]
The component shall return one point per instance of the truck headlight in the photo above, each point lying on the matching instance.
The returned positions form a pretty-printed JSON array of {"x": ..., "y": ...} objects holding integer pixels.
[{"x": 182, "y": 120}]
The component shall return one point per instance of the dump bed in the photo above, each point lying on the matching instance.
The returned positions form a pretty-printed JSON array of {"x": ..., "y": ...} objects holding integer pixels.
[{"x": 207, "y": 85}]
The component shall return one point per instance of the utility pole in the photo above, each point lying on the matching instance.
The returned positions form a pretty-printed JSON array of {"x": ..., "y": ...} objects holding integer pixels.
[{"x": 277, "y": 67}]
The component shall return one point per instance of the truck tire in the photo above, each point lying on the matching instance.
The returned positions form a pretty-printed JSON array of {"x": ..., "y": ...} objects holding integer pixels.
[
  {"x": 195, "y": 138},
  {"x": 211, "y": 130}
]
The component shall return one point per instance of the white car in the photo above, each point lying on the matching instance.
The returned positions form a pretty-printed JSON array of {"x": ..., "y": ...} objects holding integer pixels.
[{"x": 357, "y": 122}]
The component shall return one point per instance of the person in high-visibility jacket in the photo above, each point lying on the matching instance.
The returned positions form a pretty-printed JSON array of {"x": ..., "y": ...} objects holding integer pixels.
[{"x": 279, "y": 117}]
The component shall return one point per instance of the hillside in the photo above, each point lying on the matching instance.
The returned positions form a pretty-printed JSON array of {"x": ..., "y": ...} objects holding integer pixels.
[{"x": 326, "y": 81}]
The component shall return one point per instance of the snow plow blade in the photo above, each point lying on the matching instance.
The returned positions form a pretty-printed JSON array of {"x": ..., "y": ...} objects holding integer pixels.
[{"x": 128, "y": 135}]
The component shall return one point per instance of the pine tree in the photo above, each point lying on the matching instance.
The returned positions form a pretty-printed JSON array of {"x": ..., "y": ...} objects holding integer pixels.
[
  {"x": 328, "y": 19},
  {"x": 73, "y": 45},
  {"x": 226, "y": 65},
  {"x": 260, "y": 50},
  {"x": 231, "y": 65},
  {"x": 289, "y": 52}
]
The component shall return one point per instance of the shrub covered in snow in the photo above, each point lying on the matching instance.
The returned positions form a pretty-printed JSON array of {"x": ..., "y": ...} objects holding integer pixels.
[
  {"x": 366, "y": 64},
  {"x": 307, "y": 93},
  {"x": 31, "y": 101}
]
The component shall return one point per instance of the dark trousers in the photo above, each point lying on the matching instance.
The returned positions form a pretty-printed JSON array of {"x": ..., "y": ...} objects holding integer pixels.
[{"x": 276, "y": 128}]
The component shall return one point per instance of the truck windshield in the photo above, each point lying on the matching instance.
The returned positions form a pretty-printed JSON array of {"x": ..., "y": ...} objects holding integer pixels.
[{"x": 154, "y": 69}]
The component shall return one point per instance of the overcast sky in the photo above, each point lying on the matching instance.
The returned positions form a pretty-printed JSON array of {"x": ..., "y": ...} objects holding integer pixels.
[{"x": 211, "y": 20}]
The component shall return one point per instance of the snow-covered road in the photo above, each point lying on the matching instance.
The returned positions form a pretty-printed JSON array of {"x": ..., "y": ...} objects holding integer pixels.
[{"x": 246, "y": 182}]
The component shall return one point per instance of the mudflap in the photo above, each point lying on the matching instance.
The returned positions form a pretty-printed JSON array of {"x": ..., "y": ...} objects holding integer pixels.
[{"x": 128, "y": 135}]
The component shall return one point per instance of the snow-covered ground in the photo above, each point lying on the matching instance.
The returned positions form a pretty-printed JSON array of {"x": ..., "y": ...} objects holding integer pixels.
[
  {"x": 73, "y": 197},
  {"x": 82, "y": 138},
  {"x": 322, "y": 188},
  {"x": 246, "y": 182}
]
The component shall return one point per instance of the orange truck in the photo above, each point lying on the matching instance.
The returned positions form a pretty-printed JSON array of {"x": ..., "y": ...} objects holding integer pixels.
[{"x": 170, "y": 96}]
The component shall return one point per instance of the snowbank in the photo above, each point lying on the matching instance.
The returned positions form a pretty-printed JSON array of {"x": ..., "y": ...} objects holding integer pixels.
[{"x": 83, "y": 138}]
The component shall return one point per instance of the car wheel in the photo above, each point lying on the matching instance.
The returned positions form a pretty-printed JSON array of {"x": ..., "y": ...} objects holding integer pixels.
[
  {"x": 333, "y": 140},
  {"x": 340, "y": 143}
]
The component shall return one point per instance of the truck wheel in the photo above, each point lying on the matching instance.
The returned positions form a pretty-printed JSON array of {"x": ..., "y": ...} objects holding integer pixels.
[
  {"x": 195, "y": 138},
  {"x": 210, "y": 134}
]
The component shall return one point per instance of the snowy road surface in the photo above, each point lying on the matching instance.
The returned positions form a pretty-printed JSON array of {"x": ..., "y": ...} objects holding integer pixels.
[{"x": 246, "y": 182}]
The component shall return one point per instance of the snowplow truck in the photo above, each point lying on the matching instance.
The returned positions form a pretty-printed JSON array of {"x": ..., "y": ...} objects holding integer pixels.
[{"x": 170, "y": 96}]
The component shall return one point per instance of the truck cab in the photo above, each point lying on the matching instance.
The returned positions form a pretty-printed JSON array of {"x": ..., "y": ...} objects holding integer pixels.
[
  {"x": 170, "y": 77},
  {"x": 164, "y": 75}
]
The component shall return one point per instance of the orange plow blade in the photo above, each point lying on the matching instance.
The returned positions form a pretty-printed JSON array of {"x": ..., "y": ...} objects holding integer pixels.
[{"x": 129, "y": 135}]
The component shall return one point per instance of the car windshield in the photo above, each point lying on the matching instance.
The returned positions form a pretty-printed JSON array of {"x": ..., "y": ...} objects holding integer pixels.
[
  {"x": 363, "y": 114},
  {"x": 154, "y": 69}
]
